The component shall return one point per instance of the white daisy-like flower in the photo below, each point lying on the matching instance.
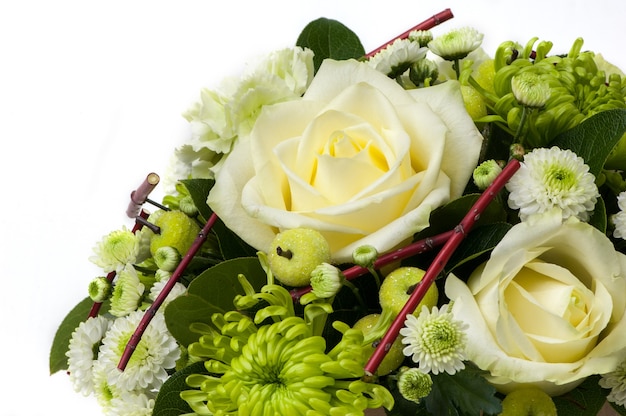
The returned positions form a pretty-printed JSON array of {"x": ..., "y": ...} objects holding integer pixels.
[
  {"x": 177, "y": 290},
  {"x": 131, "y": 404},
  {"x": 103, "y": 390},
  {"x": 396, "y": 58},
  {"x": 156, "y": 351},
  {"x": 551, "y": 178},
  {"x": 619, "y": 219},
  {"x": 115, "y": 250},
  {"x": 81, "y": 352},
  {"x": 456, "y": 44},
  {"x": 435, "y": 340},
  {"x": 127, "y": 292},
  {"x": 616, "y": 381}
]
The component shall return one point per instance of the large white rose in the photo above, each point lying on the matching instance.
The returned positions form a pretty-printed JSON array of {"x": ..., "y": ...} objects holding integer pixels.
[
  {"x": 358, "y": 158},
  {"x": 548, "y": 306}
]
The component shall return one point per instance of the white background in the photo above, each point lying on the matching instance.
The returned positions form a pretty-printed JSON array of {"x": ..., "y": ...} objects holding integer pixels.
[{"x": 91, "y": 94}]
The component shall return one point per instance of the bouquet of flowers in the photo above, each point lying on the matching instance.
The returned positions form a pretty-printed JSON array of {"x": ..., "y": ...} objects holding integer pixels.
[{"x": 428, "y": 228}]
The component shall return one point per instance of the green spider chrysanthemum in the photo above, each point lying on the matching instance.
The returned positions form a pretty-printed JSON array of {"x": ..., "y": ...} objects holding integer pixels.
[{"x": 279, "y": 368}]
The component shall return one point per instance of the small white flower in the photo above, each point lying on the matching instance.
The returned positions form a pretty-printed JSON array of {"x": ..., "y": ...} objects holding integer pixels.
[
  {"x": 396, "y": 58},
  {"x": 619, "y": 219},
  {"x": 177, "y": 290},
  {"x": 435, "y": 340},
  {"x": 616, "y": 381},
  {"x": 116, "y": 250},
  {"x": 103, "y": 390},
  {"x": 80, "y": 354},
  {"x": 131, "y": 404},
  {"x": 456, "y": 44},
  {"x": 156, "y": 351},
  {"x": 127, "y": 292},
  {"x": 551, "y": 178}
]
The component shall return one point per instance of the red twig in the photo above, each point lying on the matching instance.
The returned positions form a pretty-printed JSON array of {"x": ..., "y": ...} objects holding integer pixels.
[
  {"x": 152, "y": 310},
  {"x": 139, "y": 196},
  {"x": 425, "y": 25},
  {"x": 438, "y": 264},
  {"x": 418, "y": 247}
]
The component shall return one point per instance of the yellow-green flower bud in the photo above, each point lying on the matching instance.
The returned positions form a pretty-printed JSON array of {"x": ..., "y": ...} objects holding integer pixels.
[
  {"x": 422, "y": 37},
  {"x": 486, "y": 173},
  {"x": 365, "y": 256},
  {"x": 326, "y": 281},
  {"x": 423, "y": 72},
  {"x": 100, "y": 289},
  {"x": 187, "y": 206},
  {"x": 116, "y": 250},
  {"x": 167, "y": 258},
  {"x": 530, "y": 90},
  {"x": 414, "y": 384},
  {"x": 456, "y": 44},
  {"x": 127, "y": 293},
  {"x": 160, "y": 275}
]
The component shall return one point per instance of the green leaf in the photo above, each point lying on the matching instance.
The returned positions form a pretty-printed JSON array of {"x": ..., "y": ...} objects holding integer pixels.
[
  {"x": 585, "y": 400},
  {"x": 479, "y": 241},
  {"x": 168, "y": 402},
  {"x": 211, "y": 292},
  {"x": 598, "y": 218},
  {"x": 594, "y": 138},
  {"x": 61, "y": 342},
  {"x": 199, "y": 191},
  {"x": 329, "y": 38},
  {"x": 465, "y": 393}
]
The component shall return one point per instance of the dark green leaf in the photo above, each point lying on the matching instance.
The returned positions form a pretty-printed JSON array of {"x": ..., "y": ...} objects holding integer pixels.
[
  {"x": 199, "y": 191},
  {"x": 585, "y": 400},
  {"x": 211, "y": 292},
  {"x": 231, "y": 245},
  {"x": 330, "y": 39},
  {"x": 168, "y": 402},
  {"x": 479, "y": 241},
  {"x": 61, "y": 342},
  {"x": 594, "y": 138},
  {"x": 598, "y": 218},
  {"x": 465, "y": 393}
]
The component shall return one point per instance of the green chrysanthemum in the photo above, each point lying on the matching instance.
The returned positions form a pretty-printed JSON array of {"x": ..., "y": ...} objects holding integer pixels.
[{"x": 279, "y": 368}]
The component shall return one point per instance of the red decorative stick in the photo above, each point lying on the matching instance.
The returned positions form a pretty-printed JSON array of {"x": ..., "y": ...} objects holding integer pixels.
[
  {"x": 418, "y": 247},
  {"x": 139, "y": 196},
  {"x": 425, "y": 25},
  {"x": 152, "y": 310},
  {"x": 439, "y": 263}
]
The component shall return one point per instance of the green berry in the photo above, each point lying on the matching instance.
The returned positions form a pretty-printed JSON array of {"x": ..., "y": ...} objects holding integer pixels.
[
  {"x": 474, "y": 103},
  {"x": 177, "y": 231},
  {"x": 295, "y": 253},
  {"x": 394, "y": 357},
  {"x": 397, "y": 288},
  {"x": 528, "y": 402}
]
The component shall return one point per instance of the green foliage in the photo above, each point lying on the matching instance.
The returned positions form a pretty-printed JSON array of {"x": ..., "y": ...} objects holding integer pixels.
[
  {"x": 168, "y": 402},
  {"x": 61, "y": 342},
  {"x": 480, "y": 241},
  {"x": 329, "y": 38},
  {"x": 594, "y": 138},
  {"x": 465, "y": 393},
  {"x": 211, "y": 292},
  {"x": 586, "y": 400}
]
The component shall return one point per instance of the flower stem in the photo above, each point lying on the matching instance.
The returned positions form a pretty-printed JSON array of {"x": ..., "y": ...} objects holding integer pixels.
[
  {"x": 418, "y": 247},
  {"x": 152, "y": 310},
  {"x": 425, "y": 25},
  {"x": 438, "y": 264}
]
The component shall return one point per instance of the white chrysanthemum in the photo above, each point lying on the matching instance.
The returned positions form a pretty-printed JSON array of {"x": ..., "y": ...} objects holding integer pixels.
[
  {"x": 435, "y": 340},
  {"x": 396, "y": 58},
  {"x": 127, "y": 292},
  {"x": 156, "y": 351},
  {"x": 81, "y": 352},
  {"x": 294, "y": 66},
  {"x": 210, "y": 123},
  {"x": 131, "y": 404},
  {"x": 115, "y": 250},
  {"x": 456, "y": 44},
  {"x": 616, "y": 381},
  {"x": 619, "y": 219},
  {"x": 551, "y": 178},
  {"x": 103, "y": 390},
  {"x": 177, "y": 290},
  {"x": 326, "y": 281}
]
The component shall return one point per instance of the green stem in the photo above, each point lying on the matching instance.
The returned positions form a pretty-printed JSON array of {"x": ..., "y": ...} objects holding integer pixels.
[{"x": 518, "y": 135}]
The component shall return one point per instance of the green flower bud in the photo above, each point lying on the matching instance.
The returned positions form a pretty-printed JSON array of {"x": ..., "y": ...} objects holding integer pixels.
[
  {"x": 530, "y": 90},
  {"x": 517, "y": 151},
  {"x": 365, "y": 256},
  {"x": 423, "y": 72},
  {"x": 167, "y": 258},
  {"x": 100, "y": 289},
  {"x": 413, "y": 384},
  {"x": 486, "y": 173},
  {"x": 422, "y": 37},
  {"x": 187, "y": 206},
  {"x": 127, "y": 293},
  {"x": 160, "y": 275},
  {"x": 326, "y": 281}
]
